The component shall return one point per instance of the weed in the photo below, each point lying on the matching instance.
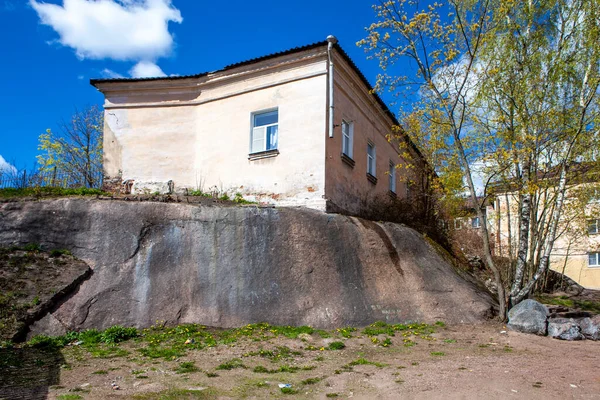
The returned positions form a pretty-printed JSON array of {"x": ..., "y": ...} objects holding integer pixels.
[
  {"x": 100, "y": 372},
  {"x": 438, "y": 353},
  {"x": 363, "y": 361},
  {"x": 449, "y": 340},
  {"x": 336, "y": 346},
  {"x": 441, "y": 324},
  {"x": 177, "y": 394},
  {"x": 311, "y": 381},
  {"x": 320, "y": 358},
  {"x": 387, "y": 342},
  {"x": 186, "y": 367},
  {"x": 69, "y": 397},
  {"x": 32, "y": 247},
  {"x": 167, "y": 353},
  {"x": 117, "y": 334},
  {"x": 323, "y": 334},
  {"x": 346, "y": 332},
  {"x": 288, "y": 390},
  {"x": 212, "y": 374},
  {"x": 399, "y": 381},
  {"x": 231, "y": 364},
  {"x": 59, "y": 252},
  {"x": 331, "y": 395}
]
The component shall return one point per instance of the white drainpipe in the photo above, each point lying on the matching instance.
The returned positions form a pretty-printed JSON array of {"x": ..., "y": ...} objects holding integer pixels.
[{"x": 331, "y": 40}]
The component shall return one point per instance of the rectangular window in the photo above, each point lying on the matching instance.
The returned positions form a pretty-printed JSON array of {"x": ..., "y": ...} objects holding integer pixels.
[
  {"x": 265, "y": 126},
  {"x": 392, "y": 177},
  {"x": 457, "y": 223},
  {"x": 594, "y": 259},
  {"x": 475, "y": 223},
  {"x": 593, "y": 225},
  {"x": 347, "y": 138},
  {"x": 371, "y": 159}
]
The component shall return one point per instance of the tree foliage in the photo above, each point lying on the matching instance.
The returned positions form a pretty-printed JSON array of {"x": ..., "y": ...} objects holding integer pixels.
[
  {"x": 76, "y": 150},
  {"x": 510, "y": 85}
]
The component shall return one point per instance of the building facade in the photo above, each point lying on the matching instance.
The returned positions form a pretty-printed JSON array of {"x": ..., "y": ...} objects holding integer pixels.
[{"x": 260, "y": 129}]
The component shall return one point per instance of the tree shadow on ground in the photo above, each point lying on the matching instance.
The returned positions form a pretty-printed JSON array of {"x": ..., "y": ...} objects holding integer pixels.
[{"x": 28, "y": 373}]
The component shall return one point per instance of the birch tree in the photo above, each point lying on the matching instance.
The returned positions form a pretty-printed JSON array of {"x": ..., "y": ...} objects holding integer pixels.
[
  {"x": 509, "y": 84},
  {"x": 76, "y": 150}
]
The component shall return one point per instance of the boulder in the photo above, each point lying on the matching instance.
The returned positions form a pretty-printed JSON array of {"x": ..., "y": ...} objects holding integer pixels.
[
  {"x": 590, "y": 327},
  {"x": 564, "y": 329},
  {"x": 529, "y": 316}
]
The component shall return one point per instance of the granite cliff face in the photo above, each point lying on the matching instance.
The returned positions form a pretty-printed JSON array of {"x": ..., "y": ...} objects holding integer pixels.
[{"x": 229, "y": 266}]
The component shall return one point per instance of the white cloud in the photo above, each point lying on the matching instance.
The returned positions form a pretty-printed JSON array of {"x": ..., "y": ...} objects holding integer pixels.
[
  {"x": 109, "y": 73},
  {"x": 123, "y": 30},
  {"x": 146, "y": 69},
  {"x": 6, "y": 167}
]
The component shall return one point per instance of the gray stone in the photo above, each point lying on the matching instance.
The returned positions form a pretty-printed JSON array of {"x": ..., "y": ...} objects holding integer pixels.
[
  {"x": 590, "y": 327},
  {"x": 230, "y": 266},
  {"x": 529, "y": 316},
  {"x": 564, "y": 329}
]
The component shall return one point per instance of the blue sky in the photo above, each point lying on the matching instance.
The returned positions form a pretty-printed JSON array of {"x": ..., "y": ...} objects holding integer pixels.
[{"x": 45, "y": 74}]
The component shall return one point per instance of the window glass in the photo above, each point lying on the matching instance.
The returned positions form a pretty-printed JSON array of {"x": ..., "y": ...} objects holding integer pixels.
[
  {"x": 371, "y": 159},
  {"x": 392, "y": 177},
  {"x": 265, "y": 131},
  {"x": 593, "y": 259},
  {"x": 267, "y": 118},
  {"x": 593, "y": 226},
  {"x": 347, "y": 133}
]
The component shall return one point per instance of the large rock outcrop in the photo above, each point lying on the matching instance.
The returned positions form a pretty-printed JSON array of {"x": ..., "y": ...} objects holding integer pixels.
[{"x": 228, "y": 266}]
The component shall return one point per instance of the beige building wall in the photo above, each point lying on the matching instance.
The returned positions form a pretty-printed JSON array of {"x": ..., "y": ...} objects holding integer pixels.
[
  {"x": 348, "y": 188},
  {"x": 196, "y": 132},
  {"x": 570, "y": 251}
]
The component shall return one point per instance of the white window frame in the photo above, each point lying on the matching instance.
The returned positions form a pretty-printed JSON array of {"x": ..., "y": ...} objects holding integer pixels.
[
  {"x": 254, "y": 130},
  {"x": 594, "y": 259},
  {"x": 475, "y": 225},
  {"x": 593, "y": 226},
  {"x": 348, "y": 132},
  {"x": 371, "y": 160},
  {"x": 458, "y": 223},
  {"x": 392, "y": 177}
]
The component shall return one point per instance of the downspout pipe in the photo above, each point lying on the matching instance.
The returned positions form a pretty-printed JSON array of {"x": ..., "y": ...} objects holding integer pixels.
[{"x": 331, "y": 40}]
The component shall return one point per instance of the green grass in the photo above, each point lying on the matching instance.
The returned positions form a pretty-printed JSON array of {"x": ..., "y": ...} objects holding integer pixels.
[
  {"x": 382, "y": 328},
  {"x": 332, "y": 395},
  {"x": 231, "y": 364},
  {"x": 176, "y": 394},
  {"x": 287, "y": 390},
  {"x": 585, "y": 305},
  {"x": 100, "y": 372},
  {"x": 49, "y": 191},
  {"x": 438, "y": 353},
  {"x": 311, "y": 381},
  {"x": 336, "y": 346},
  {"x": 69, "y": 397},
  {"x": 186, "y": 367},
  {"x": 279, "y": 353},
  {"x": 363, "y": 361}
]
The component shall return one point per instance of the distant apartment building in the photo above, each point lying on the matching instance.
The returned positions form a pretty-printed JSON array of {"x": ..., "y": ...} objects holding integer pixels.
[{"x": 297, "y": 128}]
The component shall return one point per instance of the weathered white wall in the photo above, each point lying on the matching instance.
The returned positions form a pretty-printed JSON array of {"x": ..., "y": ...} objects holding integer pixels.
[{"x": 196, "y": 132}]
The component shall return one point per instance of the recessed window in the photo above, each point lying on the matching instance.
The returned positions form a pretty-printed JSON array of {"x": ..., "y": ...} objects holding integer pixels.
[
  {"x": 347, "y": 138},
  {"x": 457, "y": 223},
  {"x": 371, "y": 159},
  {"x": 593, "y": 226},
  {"x": 392, "y": 177},
  {"x": 475, "y": 222},
  {"x": 594, "y": 259},
  {"x": 265, "y": 126}
]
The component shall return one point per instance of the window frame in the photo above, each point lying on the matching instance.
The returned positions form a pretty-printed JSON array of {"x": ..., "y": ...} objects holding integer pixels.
[
  {"x": 473, "y": 219},
  {"x": 253, "y": 116},
  {"x": 458, "y": 224},
  {"x": 392, "y": 178},
  {"x": 597, "y": 261},
  {"x": 596, "y": 224},
  {"x": 348, "y": 152},
  {"x": 371, "y": 171}
]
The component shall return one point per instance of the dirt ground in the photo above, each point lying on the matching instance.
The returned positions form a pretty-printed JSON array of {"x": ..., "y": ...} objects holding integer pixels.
[{"x": 458, "y": 362}]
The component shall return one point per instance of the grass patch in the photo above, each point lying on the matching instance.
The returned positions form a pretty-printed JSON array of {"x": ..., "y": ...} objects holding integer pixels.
[
  {"x": 382, "y": 328},
  {"x": 186, "y": 367},
  {"x": 288, "y": 390},
  {"x": 167, "y": 353},
  {"x": 363, "y": 361},
  {"x": 69, "y": 397},
  {"x": 279, "y": 353},
  {"x": 311, "y": 381},
  {"x": 438, "y": 353},
  {"x": 231, "y": 364},
  {"x": 336, "y": 346},
  {"x": 49, "y": 191},
  {"x": 100, "y": 372},
  {"x": 585, "y": 305},
  {"x": 176, "y": 394},
  {"x": 332, "y": 395}
]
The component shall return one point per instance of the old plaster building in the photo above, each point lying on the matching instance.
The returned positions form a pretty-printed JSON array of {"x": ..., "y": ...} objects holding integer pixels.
[{"x": 299, "y": 127}]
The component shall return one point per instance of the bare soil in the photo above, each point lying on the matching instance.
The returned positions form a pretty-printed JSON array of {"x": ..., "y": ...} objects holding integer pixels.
[{"x": 458, "y": 362}]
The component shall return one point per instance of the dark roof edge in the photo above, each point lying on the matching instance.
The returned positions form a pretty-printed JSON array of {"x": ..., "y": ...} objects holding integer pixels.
[{"x": 345, "y": 55}]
